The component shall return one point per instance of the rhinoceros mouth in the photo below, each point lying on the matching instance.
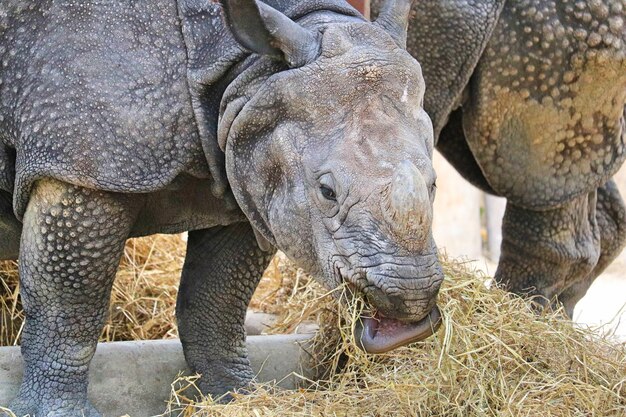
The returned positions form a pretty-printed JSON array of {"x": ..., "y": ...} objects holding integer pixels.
[{"x": 380, "y": 334}]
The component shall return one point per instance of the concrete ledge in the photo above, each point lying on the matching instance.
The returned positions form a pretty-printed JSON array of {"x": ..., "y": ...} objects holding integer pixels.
[
  {"x": 134, "y": 377},
  {"x": 257, "y": 323}
]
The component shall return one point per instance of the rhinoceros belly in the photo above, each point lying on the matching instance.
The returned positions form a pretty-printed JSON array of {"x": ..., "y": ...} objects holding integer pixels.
[
  {"x": 187, "y": 203},
  {"x": 545, "y": 119}
]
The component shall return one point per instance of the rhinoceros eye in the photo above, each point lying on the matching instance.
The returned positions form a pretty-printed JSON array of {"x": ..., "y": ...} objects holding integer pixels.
[
  {"x": 328, "y": 187},
  {"x": 328, "y": 193}
]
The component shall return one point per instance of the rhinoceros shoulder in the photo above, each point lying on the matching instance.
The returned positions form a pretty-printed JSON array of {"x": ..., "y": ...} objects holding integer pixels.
[{"x": 96, "y": 94}]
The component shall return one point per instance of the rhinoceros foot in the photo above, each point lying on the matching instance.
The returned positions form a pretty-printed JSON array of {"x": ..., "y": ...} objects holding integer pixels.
[{"x": 22, "y": 406}]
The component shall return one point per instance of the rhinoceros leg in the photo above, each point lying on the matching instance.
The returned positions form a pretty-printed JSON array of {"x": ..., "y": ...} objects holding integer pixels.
[
  {"x": 222, "y": 269},
  {"x": 10, "y": 229},
  {"x": 546, "y": 252},
  {"x": 70, "y": 249},
  {"x": 611, "y": 219}
]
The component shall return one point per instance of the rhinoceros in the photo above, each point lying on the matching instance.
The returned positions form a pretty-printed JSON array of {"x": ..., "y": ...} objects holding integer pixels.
[
  {"x": 297, "y": 125},
  {"x": 527, "y": 99}
]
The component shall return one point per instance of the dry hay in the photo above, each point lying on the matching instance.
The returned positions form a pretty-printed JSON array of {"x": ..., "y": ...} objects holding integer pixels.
[
  {"x": 11, "y": 315},
  {"x": 143, "y": 298},
  {"x": 493, "y": 357}
]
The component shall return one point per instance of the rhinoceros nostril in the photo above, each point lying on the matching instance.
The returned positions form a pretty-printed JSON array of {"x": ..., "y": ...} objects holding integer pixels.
[
  {"x": 377, "y": 298},
  {"x": 352, "y": 288},
  {"x": 342, "y": 278}
]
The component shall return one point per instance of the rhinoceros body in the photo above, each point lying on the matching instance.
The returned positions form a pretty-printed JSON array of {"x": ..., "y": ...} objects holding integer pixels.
[
  {"x": 126, "y": 118},
  {"x": 527, "y": 99}
]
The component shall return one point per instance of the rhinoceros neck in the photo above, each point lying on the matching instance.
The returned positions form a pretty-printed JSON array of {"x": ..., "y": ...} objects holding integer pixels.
[{"x": 215, "y": 60}]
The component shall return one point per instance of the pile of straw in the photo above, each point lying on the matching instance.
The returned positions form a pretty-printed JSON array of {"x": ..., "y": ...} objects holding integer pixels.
[
  {"x": 11, "y": 315},
  {"x": 143, "y": 299},
  {"x": 492, "y": 357}
]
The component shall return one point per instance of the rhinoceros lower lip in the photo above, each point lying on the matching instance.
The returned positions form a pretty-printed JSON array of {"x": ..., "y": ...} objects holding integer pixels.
[{"x": 381, "y": 334}]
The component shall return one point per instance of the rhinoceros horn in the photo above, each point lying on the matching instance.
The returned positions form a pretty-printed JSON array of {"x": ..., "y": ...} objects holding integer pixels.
[
  {"x": 408, "y": 209},
  {"x": 394, "y": 18},
  {"x": 266, "y": 31}
]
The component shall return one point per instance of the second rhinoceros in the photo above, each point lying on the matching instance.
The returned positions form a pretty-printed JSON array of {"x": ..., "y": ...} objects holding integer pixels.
[
  {"x": 528, "y": 101},
  {"x": 122, "y": 119}
]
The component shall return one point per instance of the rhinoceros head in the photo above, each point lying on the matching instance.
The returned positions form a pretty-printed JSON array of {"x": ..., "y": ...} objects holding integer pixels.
[{"x": 328, "y": 153}]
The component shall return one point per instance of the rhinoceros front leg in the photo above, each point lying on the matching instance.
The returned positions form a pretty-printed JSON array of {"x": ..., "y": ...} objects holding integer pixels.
[
  {"x": 222, "y": 269},
  {"x": 611, "y": 219},
  {"x": 71, "y": 246},
  {"x": 546, "y": 252}
]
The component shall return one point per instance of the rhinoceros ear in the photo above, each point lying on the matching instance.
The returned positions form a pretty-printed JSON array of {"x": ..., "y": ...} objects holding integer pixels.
[
  {"x": 266, "y": 31},
  {"x": 394, "y": 18}
]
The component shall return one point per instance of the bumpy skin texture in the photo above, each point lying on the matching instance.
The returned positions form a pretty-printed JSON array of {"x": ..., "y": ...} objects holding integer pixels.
[
  {"x": 122, "y": 119},
  {"x": 534, "y": 112},
  {"x": 73, "y": 238},
  {"x": 578, "y": 240},
  {"x": 222, "y": 268},
  {"x": 545, "y": 121},
  {"x": 566, "y": 238},
  {"x": 65, "y": 115},
  {"x": 547, "y": 101}
]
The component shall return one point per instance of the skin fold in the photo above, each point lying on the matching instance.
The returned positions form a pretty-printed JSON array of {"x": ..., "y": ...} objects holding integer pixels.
[{"x": 252, "y": 130}]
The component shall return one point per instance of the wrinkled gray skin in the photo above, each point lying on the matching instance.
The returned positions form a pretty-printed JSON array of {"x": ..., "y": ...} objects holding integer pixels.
[
  {"x": 527, "y": 99},
  {"x": 122, "y": 119}
]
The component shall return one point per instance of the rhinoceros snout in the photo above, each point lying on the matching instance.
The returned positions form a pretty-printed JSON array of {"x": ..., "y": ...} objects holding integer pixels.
[
  {"x": 398, "y": 289},
  {"x": 403, "y": 303},
  {"x": 404, "y": 310}
]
